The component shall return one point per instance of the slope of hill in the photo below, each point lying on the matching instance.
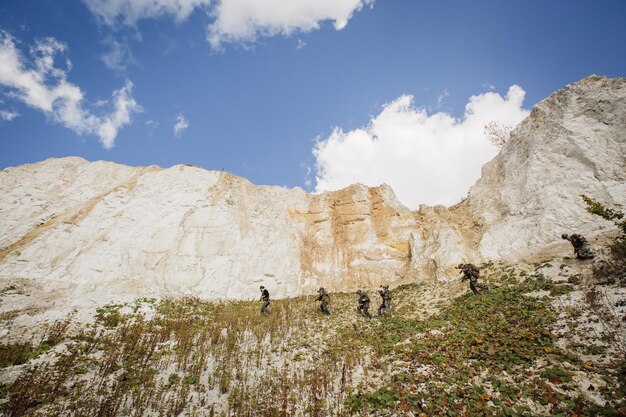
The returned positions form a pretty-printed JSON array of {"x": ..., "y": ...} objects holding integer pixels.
[{"x": 543, "y": 340}]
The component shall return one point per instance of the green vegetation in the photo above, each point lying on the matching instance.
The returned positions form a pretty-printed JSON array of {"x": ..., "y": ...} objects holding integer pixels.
[
  {"x": 110, "y": 316},
  {"x": 598, "y": 209},
  {"x": 494, "y": 354},
  {"x": 20, "y": 353},
  {"x": 613, "y": 268}
]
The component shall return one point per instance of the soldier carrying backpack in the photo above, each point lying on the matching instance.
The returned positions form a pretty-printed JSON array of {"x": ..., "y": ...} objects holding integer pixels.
[
  {"x": 471, "y": 273},
  {"x": 581, "y": 247},
  {"x": 325, "y": 300},
  {"x": 385, "y": 307},
  {"x": 265, "y": 297},
  {"x": 364, "y": 304}
]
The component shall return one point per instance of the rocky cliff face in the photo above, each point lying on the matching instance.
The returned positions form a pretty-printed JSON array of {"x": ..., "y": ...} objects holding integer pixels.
[
  {"x": 573, "y": 143},
  {"x": 92, "y": 232}
]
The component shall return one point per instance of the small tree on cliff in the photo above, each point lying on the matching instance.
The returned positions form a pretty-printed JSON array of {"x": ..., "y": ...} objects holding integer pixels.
[{"x": 497, "y": 134}]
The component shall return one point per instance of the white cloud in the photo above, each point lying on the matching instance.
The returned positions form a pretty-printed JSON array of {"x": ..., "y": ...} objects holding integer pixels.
[
  {"x": 243, "y": 21},
  {"x": 234, "y": 21},
  {"x": 129, "y": 12},
  {"x": 8, "y": 115},
  {"x": 426, "y": 158},
  {"x": 36, "y": 81},
  {"x": 180, "y": 125}
]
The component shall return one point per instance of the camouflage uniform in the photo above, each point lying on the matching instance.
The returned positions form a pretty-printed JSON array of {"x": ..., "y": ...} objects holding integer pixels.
[
  {"x": 581, "y": 247},
  {"x": 471, "y": 273},
  {"x": 364, "y": 304},
  {"x": 385, "y": 307},
  {"x": 325, "y": 300},
  {"x": 265, "y": 297}
]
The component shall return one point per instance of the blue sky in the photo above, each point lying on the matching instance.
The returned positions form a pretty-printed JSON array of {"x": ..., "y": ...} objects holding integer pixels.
[{"x": 315, "y": 94}]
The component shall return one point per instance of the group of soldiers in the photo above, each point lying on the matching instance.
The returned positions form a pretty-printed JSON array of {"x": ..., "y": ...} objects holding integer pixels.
[
  {"x": 384, "y": 309},
  {"x": 470, "y": 272},
  {"x": 324, "y": 298}
]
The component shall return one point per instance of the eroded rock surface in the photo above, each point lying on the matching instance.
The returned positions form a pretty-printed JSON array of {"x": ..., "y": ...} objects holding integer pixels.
[{"x": 573, "y": 143}]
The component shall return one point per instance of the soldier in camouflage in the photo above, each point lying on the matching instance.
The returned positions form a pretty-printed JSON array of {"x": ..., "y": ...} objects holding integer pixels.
[
  {"x": 325, "y": 300},
  {"x": 581, "y": 247},
  {"x": 265, "y": 297},
  {"x": 471, "y": 273},
  {"x": 385, "y": 307},
  {"x": 364, "y": 304}
]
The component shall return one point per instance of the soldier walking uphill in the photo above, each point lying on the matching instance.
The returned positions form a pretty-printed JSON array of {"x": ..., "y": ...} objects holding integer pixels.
[
  {"x": 325, "y": 300},
  {"x": 581, "y": 247},
  {"x": 265, "y": 297},
  {"x": 471, "y": 273},
  {"x": 364, "y": 304},
  {"x": 385, "y": 307}
]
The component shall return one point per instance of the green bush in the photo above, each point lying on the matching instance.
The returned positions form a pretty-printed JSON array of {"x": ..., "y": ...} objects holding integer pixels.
[{"x": 614, "y": 267}]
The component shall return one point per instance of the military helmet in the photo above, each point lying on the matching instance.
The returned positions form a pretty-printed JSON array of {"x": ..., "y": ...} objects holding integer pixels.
[
  {"x": 459, "y": 266},
  {"x": 359, "y": 292},
  {"x": 564, "y": 236},
  {"x": 262, "y": 287}
]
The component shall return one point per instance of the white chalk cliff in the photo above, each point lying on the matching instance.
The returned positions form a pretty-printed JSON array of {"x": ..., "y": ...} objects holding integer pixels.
[{"x": 91, "y": 232}]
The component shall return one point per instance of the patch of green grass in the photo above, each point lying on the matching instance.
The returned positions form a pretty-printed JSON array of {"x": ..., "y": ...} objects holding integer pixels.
[
  {"x": 4, "y": 390},
  {"x": 574, "y": 279},
  {"x": 377, "y": 400},
  {"x": 191, "y": 380},
  {"x": 558, "y": 290},
  {"x": 110, "y": 316},
  {"x": 20, "y": 353},
  {"x": 557, "y": 375},
  {"x": 499, "y": 330}
]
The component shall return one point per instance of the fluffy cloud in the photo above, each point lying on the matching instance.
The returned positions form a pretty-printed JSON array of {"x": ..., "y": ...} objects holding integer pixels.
[
  {"x": 243, "y": 21},
  {"x": 39, "y": 83},
  {"x": 427, "y": 158},
  {"x": 239, "y": 21},
  {"x": 180, "y": 125}
]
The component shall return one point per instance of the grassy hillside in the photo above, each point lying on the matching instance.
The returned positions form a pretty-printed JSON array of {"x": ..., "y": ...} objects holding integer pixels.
[{"x": 543, "y": 340}]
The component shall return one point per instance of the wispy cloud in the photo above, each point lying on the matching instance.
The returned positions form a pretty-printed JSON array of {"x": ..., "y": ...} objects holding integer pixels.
[
  {"x": 233, "y": 21},
  {"x": 426, "y": 158},
  {"x": 180, "y": 125},
  {"x": 307, "y": 174},
  {"x": 129, "y": 12},
  {"x": 8, "y": 115},
  {"x": 442, "y": 96},
  {"x": 119, "y": 56},
  {"x": 37, "y": 81},
  {"x": 151, "y": 125}
]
